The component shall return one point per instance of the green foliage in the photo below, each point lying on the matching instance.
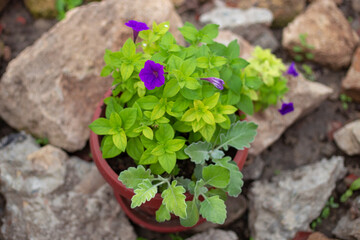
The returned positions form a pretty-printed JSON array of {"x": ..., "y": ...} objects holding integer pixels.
[
  {"x": 62, "y": 6},
  {"x": 302, "y": 51},
  {"x": 345, "y": 100},
  {"x": 264, "y": 84},
  {"x": 308, "y": 72},
  {"x": 186, "y": 119},
  {"x": 42, "y": 141},
  {"x": 325, "y": 213},
  {"x": 353, "y": 187}
]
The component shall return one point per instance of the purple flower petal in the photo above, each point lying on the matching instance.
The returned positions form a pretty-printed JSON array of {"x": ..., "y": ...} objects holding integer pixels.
[
  {"x": 152, "y": 75},
  {"x": 217, "y": 82},
  {"x": 136, "y": 27},
  {"x": 286, "y": 108},
  {"x": 292, "y": 70}
]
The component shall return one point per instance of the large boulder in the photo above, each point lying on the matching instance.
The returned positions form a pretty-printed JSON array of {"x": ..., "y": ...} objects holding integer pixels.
[
  {"x": 351, "y": 83},
  {"x": 51, "y": 89},
  {"x": 328, "y": 31},
  {"x": 292, "y": 200},
  {"x": 51, "y": 196},
  {"x": 305, "y": 95}
]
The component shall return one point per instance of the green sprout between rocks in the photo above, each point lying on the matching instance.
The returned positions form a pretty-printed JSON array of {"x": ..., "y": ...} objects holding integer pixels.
[
  {"x": 325, "y": 213},
  {"x": 308, "y": 72},
  {"x": 345, "y": 100},
  {"x": 353, "y": 187},
  {"x": 302, "y": 51},
  {"x": 62, "y": 6},
  {"x": 172, "y": 103}
]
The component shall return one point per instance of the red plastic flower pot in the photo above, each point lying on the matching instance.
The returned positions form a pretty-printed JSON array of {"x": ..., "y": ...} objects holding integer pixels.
[{"x": 145, "y": 214}]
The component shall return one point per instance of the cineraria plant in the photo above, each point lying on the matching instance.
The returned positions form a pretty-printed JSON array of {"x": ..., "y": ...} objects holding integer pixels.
[{"x": 173, "y": 103}]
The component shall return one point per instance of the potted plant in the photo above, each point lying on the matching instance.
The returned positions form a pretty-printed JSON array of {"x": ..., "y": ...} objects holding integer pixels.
[{"x": 169, "y": 128}]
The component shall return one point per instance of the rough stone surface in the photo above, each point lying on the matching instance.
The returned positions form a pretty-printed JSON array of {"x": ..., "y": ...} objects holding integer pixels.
[
  {"x": 235, "y": 208},
  {"x": 287, "y": 204},
  {"x": 327, "y": 30},
  {"x": 348, "y": 226},
  {"x": 284, "y": 11},
  {"x": 305, "y": 95},
  {"x": 70, "y": 210},
  {"x": 214, "y": 234},
  {"x": 227, "y": 17},
  {"x": 351, "y": 83},
  {"x": 42, "y": 8},
  {"x": 348, "y": 229},
  {"x": 348, "y": 138},
  {"x": 335, "y": 1},
  {"x": 258, "y": 35},
  {"x": 52, "y": 87}
]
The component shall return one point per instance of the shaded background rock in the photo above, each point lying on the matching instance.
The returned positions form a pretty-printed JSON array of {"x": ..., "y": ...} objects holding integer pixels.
[
  {"x": 35, "y": 210},
  {"x": 348, "y": 226},
  {"x": 351, "y": 83},
  {"x": 287, "y": 204},
  {"x": 327, "y": 30},
  {"x": 227, "y": 17},
  {"x": 42, "y": 8},
  {"x": 348, "y": 138},
  {"x": 52, "y": 87},
  {"x": 284, "y": 11}
]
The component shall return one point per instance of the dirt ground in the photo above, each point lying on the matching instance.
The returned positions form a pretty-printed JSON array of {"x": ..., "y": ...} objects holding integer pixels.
[{"x": 307, "y": 141}]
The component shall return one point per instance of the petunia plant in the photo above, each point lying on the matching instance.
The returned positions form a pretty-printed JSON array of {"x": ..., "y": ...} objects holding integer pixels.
[{"x": 171, "y": 104}]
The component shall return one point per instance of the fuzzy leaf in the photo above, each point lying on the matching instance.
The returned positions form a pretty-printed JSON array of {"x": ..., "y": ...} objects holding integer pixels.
[
  {"x": 239, "y": 136},
  {"x": 145, "y": 192},
  {"x": 213, "y": 209},
  {"x": 192, "y": 213},
  {"x": 174, "y": 199},
  {"x": 216, "y": 176},
  {"x": 132, "y": 177},
  {"x": 162, "y": 214},
  {"x": 236, "y": 177},
  {"x": 198, "y": 152}
]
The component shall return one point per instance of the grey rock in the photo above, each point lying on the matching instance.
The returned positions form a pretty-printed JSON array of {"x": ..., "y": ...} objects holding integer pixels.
[
  {"x": 49, "y": 196},
  {"x": 258, "y": 35},
  {"x": 52, "y": 87},
  {"x": 214, "y": 234},
  {"x": 348, "y": 226},
  {"x": 288, "y": 204},
  {"x": 227, "y": 17},
  {"x": 348, "y": 138},
  {"x": 328, "y": 31}
]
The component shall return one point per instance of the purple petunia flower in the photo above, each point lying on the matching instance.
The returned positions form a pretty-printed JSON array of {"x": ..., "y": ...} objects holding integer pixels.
[
  {"x": 136, "y": 27},
  {"x": 286, "y": 108},
  {"x": 217, "y": 82},
  {"x": 152, "y": 75},
  {"x": 292, "y": 70}
]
